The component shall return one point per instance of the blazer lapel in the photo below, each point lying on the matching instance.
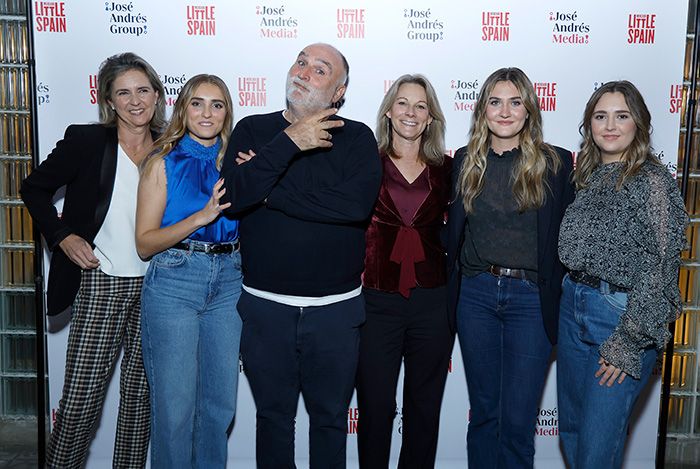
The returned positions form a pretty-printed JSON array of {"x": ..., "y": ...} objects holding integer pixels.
[
  {"x": 544, "y": 220},
  {"x": 108, "y": 171},
  {"x": 428, "y": 204}
]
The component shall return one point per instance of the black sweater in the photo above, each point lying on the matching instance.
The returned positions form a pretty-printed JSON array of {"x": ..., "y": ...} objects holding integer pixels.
[{"x": 303, "y": 214}]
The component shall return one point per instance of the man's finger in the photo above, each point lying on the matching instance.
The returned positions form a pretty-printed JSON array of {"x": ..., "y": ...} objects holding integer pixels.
[
  {"x": 331, "y": 124},
  {"x": 323, "y": 114}
]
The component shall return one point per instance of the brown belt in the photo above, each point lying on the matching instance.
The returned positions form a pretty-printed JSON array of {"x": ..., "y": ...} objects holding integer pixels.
[{"x": 499, "y": 271}]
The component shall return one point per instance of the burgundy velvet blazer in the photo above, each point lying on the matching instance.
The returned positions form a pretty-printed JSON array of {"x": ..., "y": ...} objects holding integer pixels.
[{"x": 381, "y": 273}]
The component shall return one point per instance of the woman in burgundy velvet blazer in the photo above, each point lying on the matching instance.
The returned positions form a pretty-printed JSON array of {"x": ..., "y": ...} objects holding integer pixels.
[
  {"x": 388, "y": 232},
  {"x": 404, "y": 281}
]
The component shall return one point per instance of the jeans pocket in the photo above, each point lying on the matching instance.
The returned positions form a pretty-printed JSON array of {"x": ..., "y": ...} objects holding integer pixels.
[
  {"x": 617, "y": 300},
  {"x": 170, "y": 258},
  {"x": 530, "y": 285},
  {"x": 236, "y": 255}
]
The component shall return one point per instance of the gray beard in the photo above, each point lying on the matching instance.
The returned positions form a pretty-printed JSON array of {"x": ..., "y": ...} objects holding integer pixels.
[{"x": 309, "y": 101}]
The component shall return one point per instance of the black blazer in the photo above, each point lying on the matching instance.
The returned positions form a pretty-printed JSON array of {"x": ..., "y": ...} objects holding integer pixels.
[
  {"x": 85, "y": 161},
  {"x": 550, "y": 270}
]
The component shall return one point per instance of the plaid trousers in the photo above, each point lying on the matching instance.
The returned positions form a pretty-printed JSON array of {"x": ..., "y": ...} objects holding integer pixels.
[{"x": 106, "y": 313}]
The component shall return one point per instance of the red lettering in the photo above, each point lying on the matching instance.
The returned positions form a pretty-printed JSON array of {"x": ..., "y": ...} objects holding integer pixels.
[
  {"x": 351, "y": 30},
  {"x": 495, "y": 33},
  {"x": 675, "y": 106},
  {"x": 462, "y": 106},
  {"x": 548, "y": 103},
  {"x": 252, "y": 98},
  {"x": 676, "y": 91},
  {"x": 201, "y": 28}
]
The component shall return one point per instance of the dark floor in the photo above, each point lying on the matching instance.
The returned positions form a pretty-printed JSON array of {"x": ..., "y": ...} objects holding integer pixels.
[{"x": 18, "y": 444}]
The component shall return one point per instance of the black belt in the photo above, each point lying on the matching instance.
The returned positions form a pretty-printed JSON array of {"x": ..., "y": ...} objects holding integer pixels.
[
  {"x": 499, "y": 271},
  {"x": 579, "y": 276},
  {"x": 208, "y": 248}
]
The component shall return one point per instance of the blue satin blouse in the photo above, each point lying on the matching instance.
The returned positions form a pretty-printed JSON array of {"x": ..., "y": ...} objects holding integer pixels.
[{"x": 191, "y": 173}]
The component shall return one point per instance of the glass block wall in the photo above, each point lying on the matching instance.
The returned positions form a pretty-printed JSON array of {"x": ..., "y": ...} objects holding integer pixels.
[
  {"x": 18, "y": 390},
  {"x": 683, "y": 433}
]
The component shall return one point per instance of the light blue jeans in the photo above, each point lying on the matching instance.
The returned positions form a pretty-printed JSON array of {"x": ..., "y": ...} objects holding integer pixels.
[
  {"x": 191, "y": 334},
  {"x": 593, "y": 419}
]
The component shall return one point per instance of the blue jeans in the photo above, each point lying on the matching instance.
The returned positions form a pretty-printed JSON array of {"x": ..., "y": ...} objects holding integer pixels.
[
  {"x": 191, "y": 335},
  {"x": 593, "y": 419},
  {"x": 506, "y": 355}
]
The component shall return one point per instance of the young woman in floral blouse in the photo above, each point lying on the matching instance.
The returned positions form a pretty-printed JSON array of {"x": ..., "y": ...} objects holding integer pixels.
[{"x": 621, "y": 240}]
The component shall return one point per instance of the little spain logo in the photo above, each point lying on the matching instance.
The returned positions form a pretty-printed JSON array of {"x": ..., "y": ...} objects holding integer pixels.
[
  {"x": 50, "y": 17},
  {"x": 252, "y": 91},
  {"x": 676, "y": 99},
  {"x": 353, "y": 416},
  {"x": 641, "y": 28},
  {"x": 351, "y": 23},
  {"x": 201, "y": 20},
  {"x": 495, "y": 26},
  {"x": 92, "y": 88},
  {"x": 546, "y": 95}
]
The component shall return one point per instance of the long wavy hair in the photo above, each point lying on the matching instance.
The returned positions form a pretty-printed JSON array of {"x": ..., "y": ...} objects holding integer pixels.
[
  {"x": 536, "y": 159},
  {"x": 432, "y": 147},
  {"x": 114, "y": 66},
  {"x": 178, "y": 122},
  {"x": 635, "y": 155}
]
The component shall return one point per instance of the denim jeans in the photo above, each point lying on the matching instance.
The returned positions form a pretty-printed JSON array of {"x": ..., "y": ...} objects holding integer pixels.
[
  {"x": 191, "y": 335},
  {"x": 593, "y": 419},
  {"x": 506, "y": 355}
]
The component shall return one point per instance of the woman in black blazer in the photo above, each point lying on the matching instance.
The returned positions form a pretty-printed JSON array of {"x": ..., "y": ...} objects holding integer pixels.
[
  {"x": 510, "y": 192},
  {"x": 94, "y": 264}
]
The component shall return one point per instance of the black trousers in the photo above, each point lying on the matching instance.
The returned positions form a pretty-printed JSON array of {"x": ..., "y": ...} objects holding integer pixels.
[
  {"x": 415, "y": 330},
  {"x": 312, "y": 351}
]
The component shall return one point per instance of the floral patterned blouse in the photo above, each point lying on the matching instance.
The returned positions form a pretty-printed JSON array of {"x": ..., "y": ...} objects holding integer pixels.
[{"x": 631, "y": 238}]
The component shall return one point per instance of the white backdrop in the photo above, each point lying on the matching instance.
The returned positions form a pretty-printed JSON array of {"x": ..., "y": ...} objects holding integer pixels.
[{"x": 566, "y": 48}]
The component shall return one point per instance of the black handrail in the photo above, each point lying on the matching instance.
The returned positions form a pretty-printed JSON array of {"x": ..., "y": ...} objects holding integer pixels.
[{"x": 41, "y": 397}]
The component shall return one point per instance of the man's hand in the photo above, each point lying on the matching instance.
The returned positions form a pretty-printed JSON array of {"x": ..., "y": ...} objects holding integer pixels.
[
  {"x": 314, "y": 131},
  {"x": 79, "y": 251}
]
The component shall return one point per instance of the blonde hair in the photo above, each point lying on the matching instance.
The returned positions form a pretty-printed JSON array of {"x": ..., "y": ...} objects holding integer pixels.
[
  {"x": 432, "y": 148},
  {"x": 536, "y": 159},
  {"x": 178, "y": 122},
  {"x": 635, "y": 155}
]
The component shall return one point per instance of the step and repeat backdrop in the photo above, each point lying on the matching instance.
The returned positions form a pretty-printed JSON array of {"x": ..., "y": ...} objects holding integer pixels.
[{"x": 568, "y": 49}]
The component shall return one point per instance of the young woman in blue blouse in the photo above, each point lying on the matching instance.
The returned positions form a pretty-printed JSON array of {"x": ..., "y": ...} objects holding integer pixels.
[{"x": 191, "y": 329}]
